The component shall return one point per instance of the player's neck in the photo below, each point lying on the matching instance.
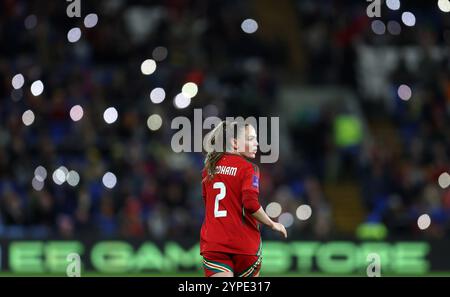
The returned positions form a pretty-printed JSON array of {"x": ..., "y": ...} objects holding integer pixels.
[{"x": 232, "y": 153}]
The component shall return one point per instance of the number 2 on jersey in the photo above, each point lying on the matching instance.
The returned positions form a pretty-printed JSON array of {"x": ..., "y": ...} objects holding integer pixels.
[{"x": 223, "y": 191}]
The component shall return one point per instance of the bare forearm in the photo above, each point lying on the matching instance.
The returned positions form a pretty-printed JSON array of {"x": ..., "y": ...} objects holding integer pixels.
[{"x": 262, "y": 217}]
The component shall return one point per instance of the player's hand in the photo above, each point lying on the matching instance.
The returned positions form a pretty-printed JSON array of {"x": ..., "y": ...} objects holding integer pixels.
[{"x": 280, "y": 228}]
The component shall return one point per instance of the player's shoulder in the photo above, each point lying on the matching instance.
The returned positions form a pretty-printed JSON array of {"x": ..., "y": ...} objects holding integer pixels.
[
  {"x": 242, "y": 163},
  {"x": 249, "y": 165}
]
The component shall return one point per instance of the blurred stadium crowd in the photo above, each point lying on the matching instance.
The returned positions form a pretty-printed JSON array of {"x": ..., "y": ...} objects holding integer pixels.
[{"x": 158, "y": 192}]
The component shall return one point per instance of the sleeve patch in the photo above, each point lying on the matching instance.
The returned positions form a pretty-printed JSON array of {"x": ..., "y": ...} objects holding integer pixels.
[{"x": 255, "y": 182}]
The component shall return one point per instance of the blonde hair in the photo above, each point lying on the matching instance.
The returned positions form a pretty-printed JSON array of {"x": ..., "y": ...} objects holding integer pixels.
[{"x": 212, "y": 157}]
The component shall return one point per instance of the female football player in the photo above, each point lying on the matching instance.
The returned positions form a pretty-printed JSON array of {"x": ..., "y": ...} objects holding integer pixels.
[{"x": 230, "y": 240}]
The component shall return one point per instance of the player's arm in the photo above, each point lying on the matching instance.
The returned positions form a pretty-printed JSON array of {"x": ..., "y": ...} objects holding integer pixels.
[
  {"x": 251, "y": 205},
  {"x": 263, "y": 218},
  {"x": 250, "y": 191}
]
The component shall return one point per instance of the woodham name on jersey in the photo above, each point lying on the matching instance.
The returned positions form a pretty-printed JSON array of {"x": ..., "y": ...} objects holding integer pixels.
[{"x": 227, "y": 170}]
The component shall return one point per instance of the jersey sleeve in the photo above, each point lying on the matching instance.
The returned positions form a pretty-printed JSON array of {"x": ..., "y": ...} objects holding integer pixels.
[
  {"x": 250, "y": 201},
  {"x": 251, "y": 179}
]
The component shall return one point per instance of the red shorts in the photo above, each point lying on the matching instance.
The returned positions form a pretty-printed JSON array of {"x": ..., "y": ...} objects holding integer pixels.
[{"x": 240, "y": 265}]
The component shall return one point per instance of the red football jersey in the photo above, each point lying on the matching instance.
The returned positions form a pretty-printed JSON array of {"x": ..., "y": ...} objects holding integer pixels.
[{"x": 227, "y": 227}]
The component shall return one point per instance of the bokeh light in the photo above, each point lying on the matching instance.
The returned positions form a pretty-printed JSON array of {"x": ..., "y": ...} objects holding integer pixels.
[
  {"x": 37, "y": 184},
  {"x": 74, "y": 35},
  {"x": 28, "y": 117},
  {"x": 59, "y": 176},
  {"x": 394, "y": 27},
  {"x": 76, "y": 113},
  {"x": 273, "y": 209},
  {"x": 159, "y": 53},
  {"x": 40, "y": 173},
  {"x": 64, "y": 170},
  {"x": 110, "y": 115},
  {"x": 90, "y": 20},
  {"x": 109, "y": 180},
  {"x": 181, "y": 101},
  {"x": 286, "y": 219},
  {"x": 73, "y": 178},
  {"x": 404, "y": 92},
  {"x": 154, "y": 122},
  {"x": 303, "y": 212},
  {"x": 444, "y": 5},
  {"x": 393, "y": 4},
  {"x": 189, "y": 89},
  {"x": 378, "y": 27},
  {"x": 408, "y": 18},
  {"x": 249, "y": 26},
  {"x": 17, "y": 81},
  {"x": 444, "y": 180},
  {"x": 37, "y": 87},
  {"x": 157, "y": 95},
  {"x": 424, "y": 221},
  {"x": 148, "y": 67}
]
